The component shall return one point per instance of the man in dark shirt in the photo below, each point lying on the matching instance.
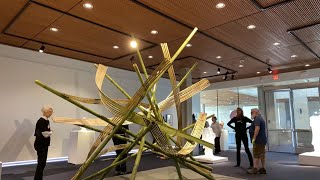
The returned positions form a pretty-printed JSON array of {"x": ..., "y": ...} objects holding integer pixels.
[
  {"x": 259, "y": 140},
  {"x": 121, "y": 168},
  {"x": 42, "y": 142},
  {"x": 240, "y": 128}
]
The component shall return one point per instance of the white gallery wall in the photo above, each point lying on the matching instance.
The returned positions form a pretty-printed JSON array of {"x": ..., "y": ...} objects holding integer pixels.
[{"x": 22, "y": 99}]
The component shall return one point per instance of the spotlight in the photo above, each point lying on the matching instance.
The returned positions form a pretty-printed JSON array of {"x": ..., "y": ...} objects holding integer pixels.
[
  {"x": 88, "y": 6},
  {"x": 154, "y": 32},
  {"x": 225, "y": 77},
  {"x": 150, "y": 57},
  {"x": 220, "y": 5},
  {"x": 270, "y": 70},
  {"x": 133, "y": 44},
  {"x": 132, "y": 58},
  {"x": 42, "y": 49},
  {"x": 232, "y": 76},
  {"x": 218, "y": 72},
  {"x": 189, "y": 45}
]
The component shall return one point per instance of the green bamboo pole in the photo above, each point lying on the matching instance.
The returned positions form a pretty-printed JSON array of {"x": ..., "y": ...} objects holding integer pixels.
[
  {"x": 178, "y": 169},
  {"x": 112, "y": 165},
  {"x": 138, "y": 158},
  {"x": 196, "y": 170},
  {"x": 184, "y": 78},
  {"x": 142, "y": 133}
]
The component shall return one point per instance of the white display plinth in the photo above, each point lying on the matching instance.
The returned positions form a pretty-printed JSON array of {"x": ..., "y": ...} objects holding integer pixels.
[
  {"x": 208, "y": 135},
  {"x": 309, "y": 158},
  {"x": 80, "y": 144},
  {"x": 0, "y": 169},
  {"x": 224, "y": 140}
]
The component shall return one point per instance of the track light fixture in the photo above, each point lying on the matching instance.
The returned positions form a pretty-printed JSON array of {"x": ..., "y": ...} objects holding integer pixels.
[
  {"x": 132, "y": 58},
  {"x": 225, "y": 77},
  {"x": 218, "y": 72},
  {"x": 232, "y": 76},
  {"x": 270, "y": 70},
  {"x": 42, "y": 48}
]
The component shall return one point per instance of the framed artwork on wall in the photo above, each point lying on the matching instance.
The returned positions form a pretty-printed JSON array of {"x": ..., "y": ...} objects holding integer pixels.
[{"x": 169, "y": 119}]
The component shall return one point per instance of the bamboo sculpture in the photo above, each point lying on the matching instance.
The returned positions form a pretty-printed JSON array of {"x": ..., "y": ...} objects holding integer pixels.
[{"x": 149, "y": 118}]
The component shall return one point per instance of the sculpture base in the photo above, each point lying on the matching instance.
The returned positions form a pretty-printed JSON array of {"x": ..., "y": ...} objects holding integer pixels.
[
  {"x": 210, "y": 159},
  {"x": 168, "y": 173},
  {"x": 309, "y": 158}
]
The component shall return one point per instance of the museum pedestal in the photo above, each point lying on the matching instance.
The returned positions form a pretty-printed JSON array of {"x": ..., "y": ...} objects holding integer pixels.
[
  {"x": 208, "y": 156},
  {"x": 224, "y": 140},
  {"x": 310, "y": 158},
  {"x": 80, "y": 144}
]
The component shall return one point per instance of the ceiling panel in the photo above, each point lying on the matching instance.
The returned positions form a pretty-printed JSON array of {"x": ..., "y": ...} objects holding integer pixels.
[
  {"x": 203, "y": 13},
  {"x": 130, "y": 18},
  {"x": 315, "y": 46},
  {"x": 309, "y": 34},
  {"x": 267, "y": 3},
  {"x": 63, "y": 5},
  {"x": 9, "y": 10},
  {"x": 282, "y": 55},
  {"x": 271, "y": 27},
  {"x": 77, "y": 34},
  {"x": 11, "y": 40},
  {"x": 67, "y": 53},
  {"x": 32, "y": 21}
]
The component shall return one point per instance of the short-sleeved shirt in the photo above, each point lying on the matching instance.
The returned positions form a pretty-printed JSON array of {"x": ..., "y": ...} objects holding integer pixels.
[{"x": 261, "y": 137}]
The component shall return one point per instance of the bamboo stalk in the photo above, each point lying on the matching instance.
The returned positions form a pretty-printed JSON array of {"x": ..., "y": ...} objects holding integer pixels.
[
  {"x": 138, "y": 158},
  {"x": 178, "y": 169}
]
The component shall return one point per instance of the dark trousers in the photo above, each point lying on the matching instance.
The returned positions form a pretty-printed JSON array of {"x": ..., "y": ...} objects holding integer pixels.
[
  {"x": 244, "y": 138},
  {"x": 217, "y": 145},
  {"x": 42, "y": 160},
  {"x": 121, "y": 167}
]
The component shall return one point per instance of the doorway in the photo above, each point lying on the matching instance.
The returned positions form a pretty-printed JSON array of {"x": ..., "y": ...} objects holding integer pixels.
[{"x": 288, "y": 112}]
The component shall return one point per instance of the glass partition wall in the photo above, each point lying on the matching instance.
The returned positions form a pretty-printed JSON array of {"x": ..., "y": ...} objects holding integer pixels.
[
  {"x": 288, "y": 116},
  {"x": 223, "y": 101}
]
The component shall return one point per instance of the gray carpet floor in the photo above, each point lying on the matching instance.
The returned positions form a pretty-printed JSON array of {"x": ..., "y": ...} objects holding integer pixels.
[{"x": 280, "y": 166}]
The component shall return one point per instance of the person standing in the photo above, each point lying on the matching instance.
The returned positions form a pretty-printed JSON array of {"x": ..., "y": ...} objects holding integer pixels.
[
  {"x": 216, "y": 128},
  {"x": 121, "y": 169},
  {"x": 241, "y": 128},
  {"x": 259, "y": 140},
  {"x": 42, "y": 142}
]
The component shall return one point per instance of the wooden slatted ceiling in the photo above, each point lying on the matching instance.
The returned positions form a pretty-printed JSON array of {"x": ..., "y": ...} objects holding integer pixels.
[
  {"x": 63, "y": 5},
  {"x": 8, "y": 11},
  {"x": 203, "y": 13},
  {"x": 228, "y": 24},
  {"x": 132, "y": 19},
  {"x": 12, "y": 41},
  {"x": 67, "y": 53},
  {"x": 267, "y": 3}
]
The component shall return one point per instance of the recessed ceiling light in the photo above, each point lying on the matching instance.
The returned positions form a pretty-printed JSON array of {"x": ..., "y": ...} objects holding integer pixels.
[
  {"x": 204, "y": 72},
  {"x": 218, "y": 57},
  {"x": 154, "y": 32},
  {"x": 251, "y": 27},
  {"x": 189, "y": 45},
  {"x": 133, "y": 44},
  {"x": 41, "y": 50},
  {"x": 115, "y": 47},
  {"x": 220, "y": 5},
  {"x": 87, "y": 6},
  {"x": 241, "y": 65},
  {"x": 307, "y": 65},
  {"x": 276, "y": 44},
  {"x": 150, "y": 57},
  {"x": 54, "y": 29},
  {"x": 293, "y": 56},
  {"x": 258, "y": 72}
]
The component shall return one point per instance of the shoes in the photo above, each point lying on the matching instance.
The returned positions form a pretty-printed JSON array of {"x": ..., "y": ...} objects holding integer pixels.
[
  {"x": 253, "y": 171},
  {"x": 122, "y": 173},
  {"x": 237, "y": 165},
  {"x": 262, "y": 171},
  {"x": 250, "y": 167},
  {"x": 216, "y": 153}
]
